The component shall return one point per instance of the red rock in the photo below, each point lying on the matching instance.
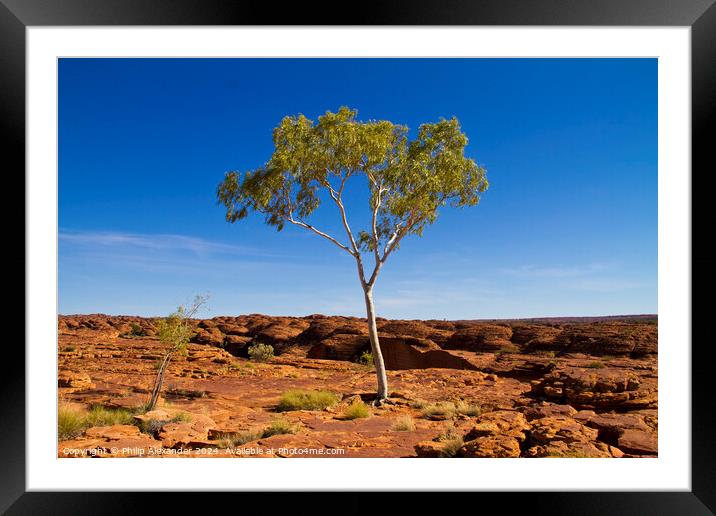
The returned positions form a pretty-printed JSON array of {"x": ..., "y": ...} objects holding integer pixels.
[
  {"x": 74, "y": 381},
  {"x": 494, "y": 446},
  {"x": 638, "y": 442},
  {"x": 483, "y": 337},
  {"x": 340, "y": 347},
  {"x": 558, "y": 428}
]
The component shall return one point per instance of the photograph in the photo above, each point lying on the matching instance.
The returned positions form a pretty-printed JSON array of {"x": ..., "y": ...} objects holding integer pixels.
[{"x": 374, "y": 257}]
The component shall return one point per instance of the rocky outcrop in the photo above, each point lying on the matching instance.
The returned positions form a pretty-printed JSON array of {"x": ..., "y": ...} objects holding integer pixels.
[
  {"x": 481, "y": 337},
  {"x": 597, "y": 388}
]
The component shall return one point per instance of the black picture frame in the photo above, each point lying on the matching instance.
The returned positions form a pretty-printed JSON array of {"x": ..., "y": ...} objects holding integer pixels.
[{"x": 700, "y": 15}]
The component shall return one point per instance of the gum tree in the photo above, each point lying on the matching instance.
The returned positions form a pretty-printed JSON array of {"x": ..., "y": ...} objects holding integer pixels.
[
  {"x": 174, "y": 331},
  {"x": 408, "y": 182}
]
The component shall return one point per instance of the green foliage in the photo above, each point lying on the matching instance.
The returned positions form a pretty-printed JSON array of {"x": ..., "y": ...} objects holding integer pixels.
[
  {"x": 279, "y": 426},
  {"x": 70, "y": 422},
  {"x": 105, "y": 416},
  {"x": 356, "y": 410},
  {"x": 306, "y": 400},
  {"x": 366, "y": 358},
  {"x": 408, "y": 180},
  {"x": 596, "y": 365},
  {"x": 136, "y": 330},
  {"x": 260, "y": 352}
]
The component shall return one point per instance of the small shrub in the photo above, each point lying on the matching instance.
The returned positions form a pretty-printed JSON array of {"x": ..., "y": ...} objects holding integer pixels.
[
  {"x": 233, "y": 440},
  {"x": 69, "y": 349},
  {"x": 176, "y": 392},
  {"x": 595, "y": 365},
  {"x": 356, "y": 410},
  {"x": 366, "y": 358},
  {"x": 306, "y": 400},
  {"x": 104, "y": 416},
  {"x": 467, "y": 409},
  {"x": 279, "y": 426},
  {"x": 70, "y": 422},
  {"x": 404, "y": 424},
  {"x": 152, "y": 426},
  {"x": 452, "y": 442},
  {"x": 449, "y": 409},
  {"x": 451, "y": 447},
  {"x": 260, "y": 352},
  {"x": 135, "y": 330}
]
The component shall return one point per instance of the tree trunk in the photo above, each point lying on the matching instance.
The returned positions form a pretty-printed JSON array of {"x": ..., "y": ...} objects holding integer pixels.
[
  {"x": 375, "y": 348},
  {"x": 158, "y": 382}
]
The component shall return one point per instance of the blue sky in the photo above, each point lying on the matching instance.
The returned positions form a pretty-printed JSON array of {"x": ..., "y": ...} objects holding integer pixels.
[{"x": 567, "y": 227}]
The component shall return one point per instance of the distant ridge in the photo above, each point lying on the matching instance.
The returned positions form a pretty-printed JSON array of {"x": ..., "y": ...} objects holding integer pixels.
[{"x": 583, "y": 319}]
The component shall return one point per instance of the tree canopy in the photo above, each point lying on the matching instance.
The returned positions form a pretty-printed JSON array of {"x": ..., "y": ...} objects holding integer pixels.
[{"x": 409, "y": 180}]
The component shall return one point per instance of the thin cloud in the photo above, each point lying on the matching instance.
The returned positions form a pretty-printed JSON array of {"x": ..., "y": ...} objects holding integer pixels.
[
  {"x": 534, "y": 271},
  {"x": 158, "y": 242}
]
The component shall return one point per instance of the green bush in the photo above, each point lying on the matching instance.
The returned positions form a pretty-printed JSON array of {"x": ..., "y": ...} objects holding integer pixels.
[
  {"x": 279, "y": 426},
  {"x": 103, "y": 416},
  {"x": 70, "y": 422},
  {"x": 356, "y": 410},
  {"x": 306, "y": 400},
  {"x": 595, "y": 365},
  {"x": 260, "y": 352},
  {"x": 366, "y": 358}
]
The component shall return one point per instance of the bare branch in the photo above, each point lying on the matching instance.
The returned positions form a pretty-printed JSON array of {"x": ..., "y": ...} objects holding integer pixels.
[{"x": 320, "y": 233}]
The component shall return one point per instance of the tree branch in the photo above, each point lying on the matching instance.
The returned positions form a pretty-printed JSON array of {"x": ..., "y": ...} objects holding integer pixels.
[
  {"x": 376, "y": 207},
  {"x": 320, "y": 233}
]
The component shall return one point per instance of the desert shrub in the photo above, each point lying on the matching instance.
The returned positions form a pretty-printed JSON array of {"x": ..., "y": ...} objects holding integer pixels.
[
  {"x": 237, "y": 439},
  {"x": 306, "y": 400},
  {"x": 260, "y": 352},
  {"x": 279, "y": 426},
  {"x": 595, "y": 365},
  {"x": 449, "y": 409},
  {"x": 136, "y": 330},
  {"x": 69, "y": 349},
  {"x": 467, "y": 409},
  {"x": 356, "y": 410},
  {"x": 70, "y": 422},
  {"x": 451, "y": 447},
  {"x": 451, "y": 441},
  {"x": 105, "y": 416},
  {"x": 404, "y": 424},
  {"x": 441, "y": 408},
  {"x": 176, "y": 392},
  {"x": 152, "y": 426},
  {"x": 366, "y": 358}
]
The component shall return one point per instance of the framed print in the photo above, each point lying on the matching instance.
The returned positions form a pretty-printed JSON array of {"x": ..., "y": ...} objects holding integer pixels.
[{"x": 435, "y": 250}]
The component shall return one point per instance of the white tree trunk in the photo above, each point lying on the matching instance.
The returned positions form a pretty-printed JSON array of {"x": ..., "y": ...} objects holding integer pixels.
[{"x": 375, "y": 347}]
